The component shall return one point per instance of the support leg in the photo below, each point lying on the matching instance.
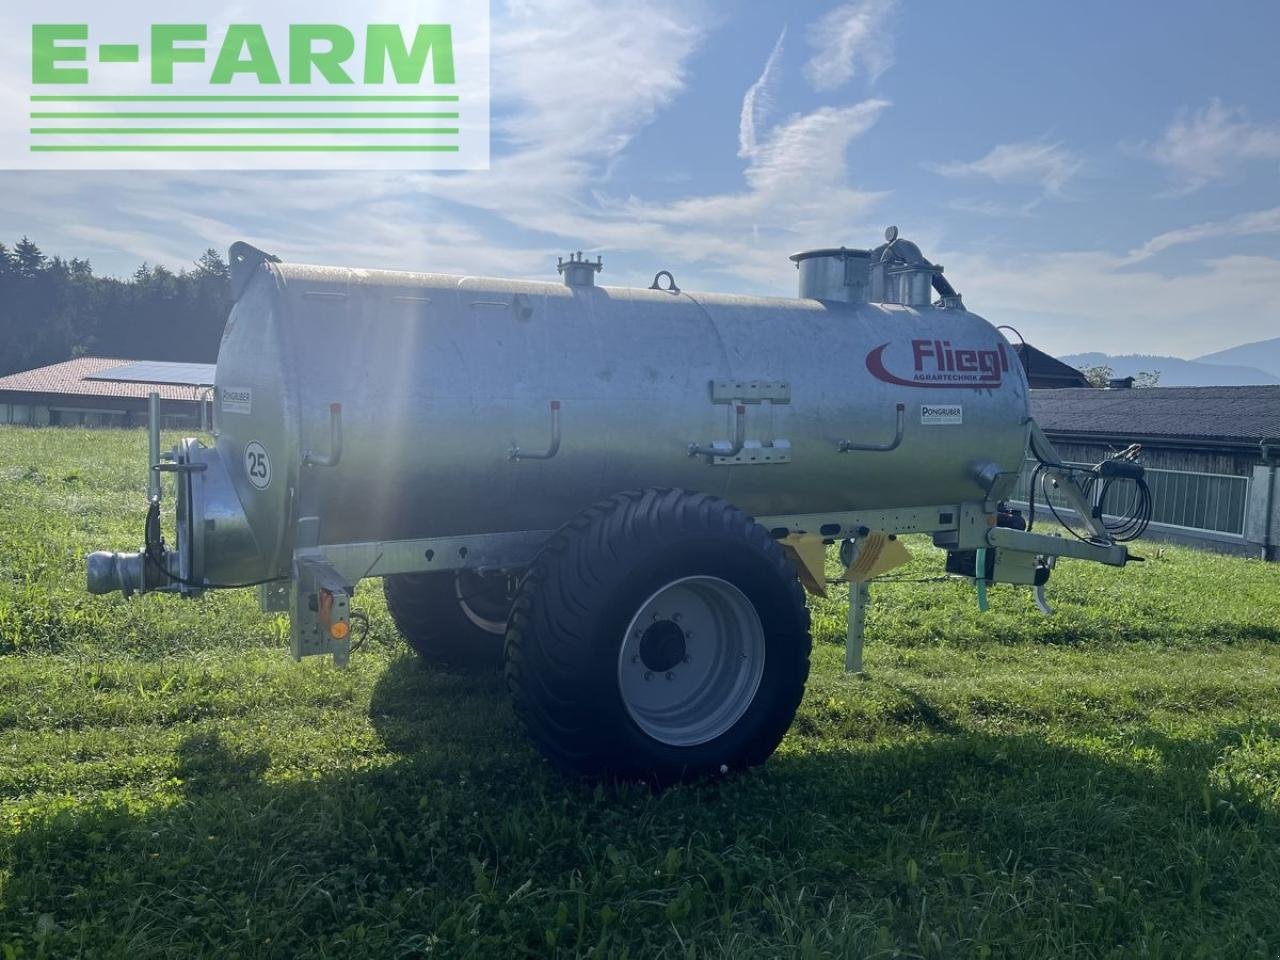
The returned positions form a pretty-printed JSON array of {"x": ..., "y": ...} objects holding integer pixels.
[{"x": 859, "y": 596}]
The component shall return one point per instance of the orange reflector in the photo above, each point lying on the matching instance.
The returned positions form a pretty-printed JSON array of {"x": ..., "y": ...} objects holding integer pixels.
[{"x": 339, "y": 630}]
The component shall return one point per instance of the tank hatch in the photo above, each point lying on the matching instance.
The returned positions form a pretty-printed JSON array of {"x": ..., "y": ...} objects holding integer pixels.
[{"x": 894, "y": 272}]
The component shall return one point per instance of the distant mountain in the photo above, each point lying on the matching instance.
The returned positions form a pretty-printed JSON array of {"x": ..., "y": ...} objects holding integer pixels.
[
  {"x": 1176, "y": 372},
  {"x": 1263, "y": 354}
]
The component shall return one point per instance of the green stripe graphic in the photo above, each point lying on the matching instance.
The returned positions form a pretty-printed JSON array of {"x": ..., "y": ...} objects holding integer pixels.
[
  {"x": 211, "y": 98},
  {"x": 244, "y": 148},
  {"x": 167, "y": 131},
  {"x": 244, "y": 116}
]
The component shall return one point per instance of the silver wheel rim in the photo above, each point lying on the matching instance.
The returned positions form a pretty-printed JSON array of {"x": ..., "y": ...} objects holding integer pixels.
[
  {"x": 691, "y": 661},
  {"x": 484, "y": 623}
]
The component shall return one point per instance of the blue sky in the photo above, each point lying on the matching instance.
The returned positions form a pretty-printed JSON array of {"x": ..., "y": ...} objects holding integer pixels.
[{"x": 1103, "y": 176}]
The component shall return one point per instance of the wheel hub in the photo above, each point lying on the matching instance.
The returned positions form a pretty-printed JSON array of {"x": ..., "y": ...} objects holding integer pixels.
[
  {"x": 691, "y": 661},
  {"x": 662, "y": 646}
]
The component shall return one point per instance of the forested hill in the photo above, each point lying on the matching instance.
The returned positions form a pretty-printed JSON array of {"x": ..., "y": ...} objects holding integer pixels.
[{"x": 53, "y": 309}]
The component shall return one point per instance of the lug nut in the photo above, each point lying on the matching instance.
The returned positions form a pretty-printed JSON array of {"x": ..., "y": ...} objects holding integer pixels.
[
  {"x": 671, "y": 675},
  {"x": 648, "y": 675}
]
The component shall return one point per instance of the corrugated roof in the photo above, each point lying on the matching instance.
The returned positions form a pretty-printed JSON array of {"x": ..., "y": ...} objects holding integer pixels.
[
  {"x": 1214, "y": 414},
  {"x": 71, "y": 378}
]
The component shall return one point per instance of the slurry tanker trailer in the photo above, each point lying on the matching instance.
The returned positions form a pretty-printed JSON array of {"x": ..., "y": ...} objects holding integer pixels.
[{"x": 619, "y": 490}]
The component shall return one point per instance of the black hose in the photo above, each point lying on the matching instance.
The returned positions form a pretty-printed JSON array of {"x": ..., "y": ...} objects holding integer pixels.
[{"x": 943, "y": 286}]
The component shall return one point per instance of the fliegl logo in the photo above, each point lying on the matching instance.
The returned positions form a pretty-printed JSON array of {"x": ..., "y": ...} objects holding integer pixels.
[
  {"x": 177, "y": 84},
  {"x": 940, "y": 364}
]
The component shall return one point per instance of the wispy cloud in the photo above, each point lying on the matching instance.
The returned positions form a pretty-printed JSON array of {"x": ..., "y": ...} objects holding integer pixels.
[
  {"x": 1050, "y": 166},
  {"x": 854, "y": 36},
  {"x": 1244, "y": 225},
  {"x": 757, "y": 102},
  {"x": 1206, "y": 144},
  {"x": 993, "y": 208},
  {"x": 1071, "y": 302}
]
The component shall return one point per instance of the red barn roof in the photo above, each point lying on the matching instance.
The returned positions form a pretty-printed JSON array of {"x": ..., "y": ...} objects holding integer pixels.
[{"x": 71, "y": 377}]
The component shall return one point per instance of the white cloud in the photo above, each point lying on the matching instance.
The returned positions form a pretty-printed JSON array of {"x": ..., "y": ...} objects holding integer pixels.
[
  {"x": 851, "y": 37},
  {"x": 1209, "y": 143},
  {"x": 992, "y": 208},
  {"x": 560, "y": 123},
  {"x": 1047, "y": 165},
  {"x": 758, "y": 100},
  {"x": 797, "y": 195},
  {"x": 1244, "y": 225}
]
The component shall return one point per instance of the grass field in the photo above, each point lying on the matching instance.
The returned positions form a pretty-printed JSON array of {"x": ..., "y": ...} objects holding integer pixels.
[{"x": 1105, "y": 783}]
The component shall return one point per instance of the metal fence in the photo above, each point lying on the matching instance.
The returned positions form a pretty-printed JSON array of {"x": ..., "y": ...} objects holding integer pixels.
[{"x": 1213, "y": 503}]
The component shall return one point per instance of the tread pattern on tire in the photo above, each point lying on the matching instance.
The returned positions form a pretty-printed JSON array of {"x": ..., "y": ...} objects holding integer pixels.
[
  {"x": 426, "y": 611},
  {"x": 561, "y": 666}
]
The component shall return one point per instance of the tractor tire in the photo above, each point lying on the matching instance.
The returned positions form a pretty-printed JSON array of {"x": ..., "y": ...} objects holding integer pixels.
[
  {"x": 456, "y": 618},
  {"x": 660, "y": 635}
]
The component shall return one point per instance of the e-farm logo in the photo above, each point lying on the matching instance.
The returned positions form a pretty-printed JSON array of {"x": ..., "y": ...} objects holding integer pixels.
[{"x": 281, "y": 85}]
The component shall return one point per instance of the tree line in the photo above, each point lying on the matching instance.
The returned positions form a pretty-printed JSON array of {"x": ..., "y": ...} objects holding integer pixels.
[{"x": 54, "y": 309}]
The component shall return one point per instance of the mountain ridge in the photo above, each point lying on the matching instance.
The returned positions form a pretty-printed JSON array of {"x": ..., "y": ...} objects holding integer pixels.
[
  {"x": 1263, "y": 355},
  {"x": 1176, "y": 371}
]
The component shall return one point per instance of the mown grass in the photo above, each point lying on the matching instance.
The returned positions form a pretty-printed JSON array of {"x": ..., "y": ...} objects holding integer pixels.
[{"x": 1105, "y": 783}]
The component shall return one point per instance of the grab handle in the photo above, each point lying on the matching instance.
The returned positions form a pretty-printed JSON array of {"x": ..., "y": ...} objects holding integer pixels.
[
  {"x": 845, "y": 446},
  {"x": 515, "y": 453},
  {"x": 330, "y": 459},
  {"x": 739, "y": 439}
]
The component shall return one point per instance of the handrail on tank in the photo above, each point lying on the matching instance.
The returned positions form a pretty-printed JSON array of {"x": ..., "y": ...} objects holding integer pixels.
[
  {"x": 515, "y": 453},
  {"x": 330, "y": 459},
  {"x": 845, "y": 446},
  {"x": 739, "y": 438}
]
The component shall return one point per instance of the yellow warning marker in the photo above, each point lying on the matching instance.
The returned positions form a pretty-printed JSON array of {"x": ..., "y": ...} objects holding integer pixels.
[
  {"x": 878, "y": 553},
  {"x": 809, "y": 554}
]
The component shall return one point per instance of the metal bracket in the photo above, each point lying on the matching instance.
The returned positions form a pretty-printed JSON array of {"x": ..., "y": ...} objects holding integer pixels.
[
  {"x": 753, "y": 451},
  {"x": 846, "y": 446},
  {"x": 515, "y": 453},
  {"x": 1114, "y": 554},
  {"x": 750, "y": 391},
  {"x": 671, "y": 282},
  {"x": 320, "y": 615},
  {"x": 273, "y": 597},
  {"x": 244, "y": 261},
  {"x": 740, "y": 452}
]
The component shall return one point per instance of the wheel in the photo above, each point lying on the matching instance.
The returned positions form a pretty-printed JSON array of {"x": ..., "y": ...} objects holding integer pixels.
[
  {"x": 451, "y": 617},
  {"x": 659, "y": 635}
]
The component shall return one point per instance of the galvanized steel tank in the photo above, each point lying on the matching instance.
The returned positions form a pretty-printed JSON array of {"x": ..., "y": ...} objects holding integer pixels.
[{"x": 439, "y": 377}]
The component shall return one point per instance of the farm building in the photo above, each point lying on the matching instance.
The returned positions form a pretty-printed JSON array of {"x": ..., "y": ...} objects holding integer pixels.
[
  {"x": 107, "y": 392},
  {"x": 1048, "y": 373},
  {"x": 1211, "y": 454}
]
